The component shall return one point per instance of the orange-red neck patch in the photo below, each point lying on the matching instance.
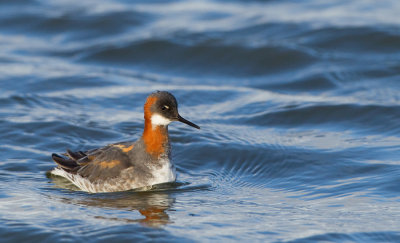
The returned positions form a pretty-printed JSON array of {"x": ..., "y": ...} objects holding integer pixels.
[
  {"x": 154, "y": 137},
  {"x": 147, "y": 107}
]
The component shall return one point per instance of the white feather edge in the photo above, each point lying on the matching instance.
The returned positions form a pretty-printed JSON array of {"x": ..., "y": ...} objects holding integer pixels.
[{"x": 77, "y": 180}]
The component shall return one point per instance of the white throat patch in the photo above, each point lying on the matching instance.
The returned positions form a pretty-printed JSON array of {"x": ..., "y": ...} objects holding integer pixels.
[{"x": 159, "y": 120}]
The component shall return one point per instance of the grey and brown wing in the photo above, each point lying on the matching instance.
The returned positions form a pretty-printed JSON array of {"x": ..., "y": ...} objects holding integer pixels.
[
  {"x": 104, "y": 165},
  {"x": 98, "y": 164}
]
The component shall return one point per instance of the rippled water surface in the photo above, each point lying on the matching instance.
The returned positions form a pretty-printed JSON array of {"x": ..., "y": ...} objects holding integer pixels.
[{"x": 298, "y": 101}]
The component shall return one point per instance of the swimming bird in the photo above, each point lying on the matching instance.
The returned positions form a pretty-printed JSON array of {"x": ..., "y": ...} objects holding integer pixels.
[{"x": 128, "y": 165}]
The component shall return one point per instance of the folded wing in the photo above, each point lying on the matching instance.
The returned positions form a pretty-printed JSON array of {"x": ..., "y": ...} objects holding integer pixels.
[{"x": 98, "y": 164}]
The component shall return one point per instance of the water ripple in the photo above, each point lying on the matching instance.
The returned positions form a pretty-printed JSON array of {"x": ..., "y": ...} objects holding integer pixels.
[{"x": 298, "y": 104}]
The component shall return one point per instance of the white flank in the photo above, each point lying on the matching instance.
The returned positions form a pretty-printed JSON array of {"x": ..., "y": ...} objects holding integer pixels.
[{"x": 159, "y": 120}]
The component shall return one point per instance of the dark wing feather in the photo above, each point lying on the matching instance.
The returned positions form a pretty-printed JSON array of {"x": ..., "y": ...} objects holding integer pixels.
[
  {"x": 66, "y": 164},
  {"x": 75, "y": 155}
]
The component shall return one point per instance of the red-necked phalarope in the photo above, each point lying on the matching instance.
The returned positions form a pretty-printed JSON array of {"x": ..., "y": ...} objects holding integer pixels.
[{"x": 128, "y": 165}]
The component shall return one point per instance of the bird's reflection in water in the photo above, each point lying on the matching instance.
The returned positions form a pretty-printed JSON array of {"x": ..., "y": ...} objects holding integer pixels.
[{"x": 153, "y": 204}]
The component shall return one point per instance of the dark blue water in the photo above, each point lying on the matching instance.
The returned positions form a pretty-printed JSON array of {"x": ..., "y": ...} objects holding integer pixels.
[{"x": 298, "y": 101}]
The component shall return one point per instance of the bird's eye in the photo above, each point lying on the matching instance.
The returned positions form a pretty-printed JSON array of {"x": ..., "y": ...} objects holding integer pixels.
[{"x": 165, "y": 107}]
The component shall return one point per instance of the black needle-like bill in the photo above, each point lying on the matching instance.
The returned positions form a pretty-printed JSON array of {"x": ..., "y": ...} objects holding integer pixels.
[{"x": 181, "y": 119}]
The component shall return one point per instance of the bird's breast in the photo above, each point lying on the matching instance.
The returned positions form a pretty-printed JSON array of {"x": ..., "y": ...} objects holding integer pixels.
[{"x": 163, "y": 172}]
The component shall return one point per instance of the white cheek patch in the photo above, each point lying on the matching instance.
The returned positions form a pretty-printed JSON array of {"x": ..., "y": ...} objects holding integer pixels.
[{"x": 159, "y": 120}]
